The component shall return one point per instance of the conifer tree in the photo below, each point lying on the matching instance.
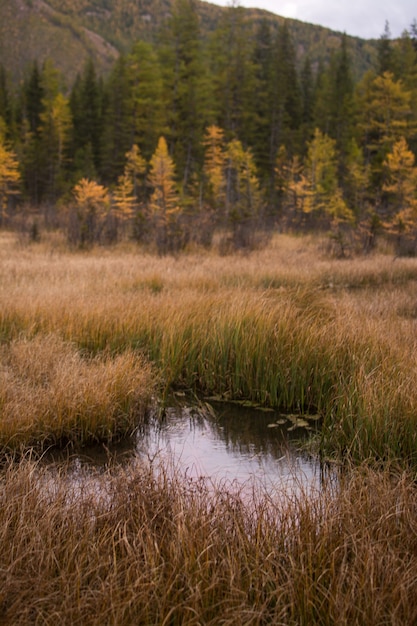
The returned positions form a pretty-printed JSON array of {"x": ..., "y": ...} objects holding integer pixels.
[
  {"x": 243, "y": 200},
  {"x": 126, "y": 194},
  {"x": 44, "y": 133},
  {"x": 133, "y": 109},
  {"x": 405, "y": 61},
  {"x": 342, "y": 114},
  {"x": 124, "y": 199},
  {"x": 117, "y": 121},
  {"x": 295, "y": 186},
  {"x": 86, "y": 110},
  {"x": 5, "y": 101},
  {"x": 384, "y": 115},
  {"x": 234, "y": 77},
  {"x": 164, "y": 205},
  {"x": 91, "y": 209},
  {"x": 264, "y": 64},
  {"x": 325, "y": 198},
  {"x": 385, "y": 51},
  {"x": 308, "y": 95},
  {"x": 292, "y": 185},
  {"x": 405, "y": 69},
  {"x": 186, "y": 88},
  {"x": 56, "y": 122},
  {"x": 135, "y": 167},
  {"x": 288, "y": 79},
  {"x": 356, "y": 180},
  {"x": 214, "y": 169},
  {"x": 334, "y": 102},
  {"x": 31, "y": 106},
  {"x": 145, "y": 104},
  {"x": 286, "y": 104},
  {"x": 33, "y": 95},
  {"x": 9, "y": 177},
  {"x": 400, "y": 186}
]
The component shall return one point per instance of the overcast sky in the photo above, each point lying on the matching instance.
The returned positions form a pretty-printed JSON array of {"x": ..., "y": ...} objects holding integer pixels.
[{"x": 363, "y": 18}]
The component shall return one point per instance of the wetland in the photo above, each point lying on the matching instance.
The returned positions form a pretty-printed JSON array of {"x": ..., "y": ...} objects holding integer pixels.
[{"x": 297, "y": 360}]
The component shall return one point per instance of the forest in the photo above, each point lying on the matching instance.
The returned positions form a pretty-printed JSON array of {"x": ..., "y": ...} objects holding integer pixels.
[{"x": 189, "y": 136}]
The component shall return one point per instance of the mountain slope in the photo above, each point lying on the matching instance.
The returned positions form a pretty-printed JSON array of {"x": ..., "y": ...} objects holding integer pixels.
[
  {"x": 33, "y": 30},
  {"x": 69, "y": 31}
]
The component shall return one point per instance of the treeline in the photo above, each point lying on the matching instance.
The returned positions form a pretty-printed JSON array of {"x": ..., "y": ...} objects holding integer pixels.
[{"x": 190, "y": 135}]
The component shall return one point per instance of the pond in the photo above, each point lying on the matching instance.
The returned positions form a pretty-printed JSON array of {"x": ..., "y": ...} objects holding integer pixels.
[{"x": 228, "y": 443}]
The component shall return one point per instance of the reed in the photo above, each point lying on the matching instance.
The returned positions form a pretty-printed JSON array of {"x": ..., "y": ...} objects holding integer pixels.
[{"x": 146, "y": 546}]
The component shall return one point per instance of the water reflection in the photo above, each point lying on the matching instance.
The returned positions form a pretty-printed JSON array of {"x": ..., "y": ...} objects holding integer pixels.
[
  {"x": 230, "y": 443},
  {"x": 225, "y": 443}
]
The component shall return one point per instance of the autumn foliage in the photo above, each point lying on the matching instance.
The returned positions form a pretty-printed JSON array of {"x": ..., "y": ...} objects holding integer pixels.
[{"x": 233, "y": 133}]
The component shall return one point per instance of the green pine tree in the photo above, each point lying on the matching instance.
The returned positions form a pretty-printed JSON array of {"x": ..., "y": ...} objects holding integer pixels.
[
  {"x": 118, "y": 121},
  {"x": 86, "y": 110},
  {"x": 145, "y": 103},
  {"x": 186, "y": 88}
]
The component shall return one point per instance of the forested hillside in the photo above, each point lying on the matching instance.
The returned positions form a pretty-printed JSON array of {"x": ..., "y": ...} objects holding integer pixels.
[
  {"x": 69, "y": 31},
  {"x": 33, "y": 30},
  {"x": 208, "y": 119}
]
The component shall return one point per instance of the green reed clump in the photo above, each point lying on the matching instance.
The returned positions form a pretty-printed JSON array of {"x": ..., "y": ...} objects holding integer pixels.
[
  {"x": 142, "y": 545},
  {"x": 51, "y": 393},
  {"x": 374, "y": 415},
  {"x": 241, "y": 348},
  {"x": 299, "y": 355}
]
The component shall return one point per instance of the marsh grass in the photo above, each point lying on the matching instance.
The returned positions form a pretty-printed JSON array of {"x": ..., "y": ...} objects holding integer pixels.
[
  {"x": 86, "y": 341},
  {"x": 283, "y": 327},
  {"x": 51, "y": 394},
  {"x": 150, "y": 547}
]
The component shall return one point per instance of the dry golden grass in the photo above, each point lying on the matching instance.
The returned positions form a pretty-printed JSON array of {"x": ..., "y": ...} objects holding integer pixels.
[
  {"x": 50, "y": 393},
  {"x": 146, "y": 548}
]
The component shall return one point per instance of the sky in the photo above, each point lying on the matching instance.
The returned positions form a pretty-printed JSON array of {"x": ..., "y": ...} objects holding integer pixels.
[{"x": 362, "y": 18}]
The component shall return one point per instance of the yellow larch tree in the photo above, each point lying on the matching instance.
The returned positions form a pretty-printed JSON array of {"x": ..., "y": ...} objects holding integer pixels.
[
  {"x": 125, "y": 195},
  {"x": 400, "y": 187},
  {"x": 92, "y": 203},
  {"x": 135, "y": 167},
  {"x": 214, "y": 166},
  {"x": 243, "y": 197},
  {"x": 9, "y": 176},
  {"x": 291, "y": 183},
  {"x": 124, "y": 199},
  {"x": 164, "y": 204},
  {"x": 324, "y": 194}
]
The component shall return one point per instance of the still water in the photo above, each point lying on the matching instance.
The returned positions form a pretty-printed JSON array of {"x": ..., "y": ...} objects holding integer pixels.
[
  {"x": 229, "y": 443},
  {"x": 226, "y": 443}
]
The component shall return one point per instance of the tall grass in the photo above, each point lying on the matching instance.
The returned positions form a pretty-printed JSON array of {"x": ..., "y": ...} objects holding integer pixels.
[
  {"x": 139, "y": 546},
  {"x": 50, "y": 393},
  {"x": 282, "y": 327}
]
